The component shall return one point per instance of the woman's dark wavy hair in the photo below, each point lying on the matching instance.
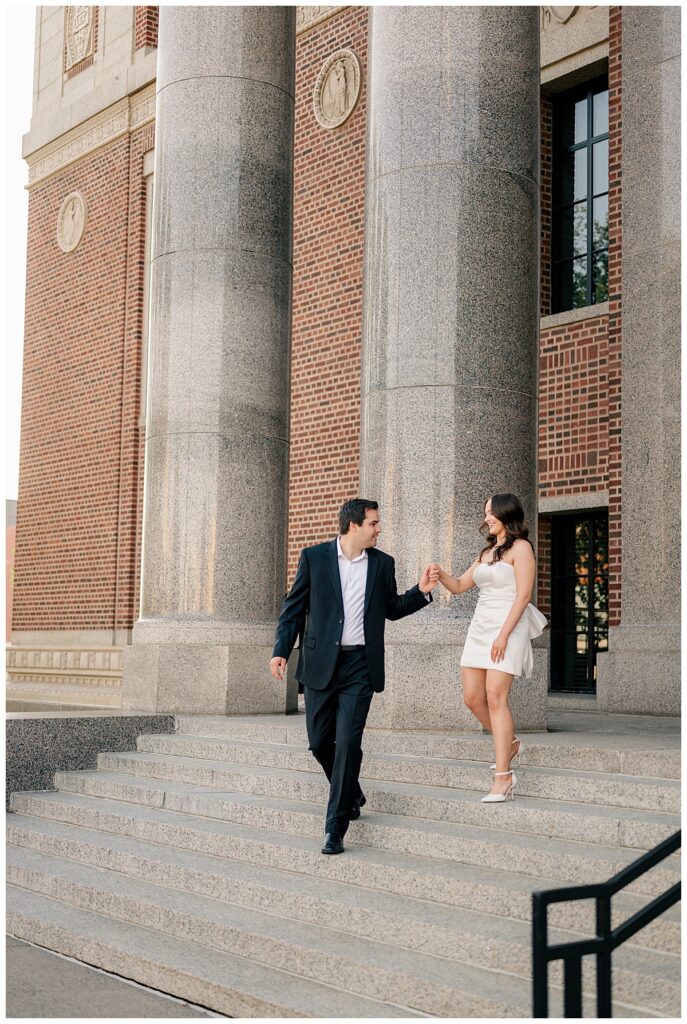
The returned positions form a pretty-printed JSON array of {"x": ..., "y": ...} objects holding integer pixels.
[{"x": 508, "y": 509}]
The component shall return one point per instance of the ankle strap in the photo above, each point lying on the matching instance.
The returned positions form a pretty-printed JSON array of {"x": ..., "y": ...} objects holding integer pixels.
[{"x": 504, "y": 773}]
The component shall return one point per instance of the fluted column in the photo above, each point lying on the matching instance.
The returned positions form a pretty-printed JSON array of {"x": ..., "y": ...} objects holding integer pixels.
[
  {"x": 641, "y": 673},
  {"x": 450, "y": 323},
  {"x": 213, "y": 570}
]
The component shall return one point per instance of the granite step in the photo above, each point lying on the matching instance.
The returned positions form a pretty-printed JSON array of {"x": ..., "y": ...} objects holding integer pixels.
[
  {"x": 566, "y": 860},
  {"x": 367, "y": 967},
  {"x": 540, "y": 750},
  {"x": 482, "y": 940},
  {"x": 605, "y": 788},
  {"x": 228, "y": 984},
  {"x": 105, "y": 693},
  {"x": 565, "y": 820},
  {"x": 499, "y": 892}
]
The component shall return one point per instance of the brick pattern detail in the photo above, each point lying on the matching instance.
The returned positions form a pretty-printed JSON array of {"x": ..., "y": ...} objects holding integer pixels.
[
  {"x": 145, "y": 26},
  {"x": 544, "y": 564},
  {"x": 615, "y": 110},
  {"x": 87, "y": 62},
  {"x": 329, "y": 213},
  {"x": 80, "y": 466},
  {"x": 573, "y": 408},
  {"x": 546, "y": 203}
]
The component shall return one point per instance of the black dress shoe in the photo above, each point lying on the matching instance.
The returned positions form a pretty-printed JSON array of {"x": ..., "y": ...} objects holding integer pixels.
[
  {"x": 333, "y": 843},
  {"x": 356, "y": 808}
]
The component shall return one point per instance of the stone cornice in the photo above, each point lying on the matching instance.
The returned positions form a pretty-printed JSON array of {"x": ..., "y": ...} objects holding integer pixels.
[
  {"x": 127, "y": 115},
  {"x": 308, "y": 17}
]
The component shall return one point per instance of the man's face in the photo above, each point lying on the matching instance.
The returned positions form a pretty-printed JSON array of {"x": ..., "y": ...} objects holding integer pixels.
[{"x": 368, "y": 532}]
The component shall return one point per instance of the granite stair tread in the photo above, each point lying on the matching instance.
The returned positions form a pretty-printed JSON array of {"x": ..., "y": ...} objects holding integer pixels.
[
  {"x": 204, "y": 845},
  {"x": 599, "y": 787},
  {"x": 418, "y": 924},
  {"x": 372, "y": 968},
  {"x": 475, "y": 844},
  {"x": 504, "y": 893},
  {"x": 229, "y": 984},
  {"x": 579, "y": 751},
  {"x": 525, "y": 813}
]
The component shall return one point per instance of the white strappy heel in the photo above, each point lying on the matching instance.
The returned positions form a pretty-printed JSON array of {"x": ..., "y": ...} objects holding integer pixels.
[
  {"x": 499, "y": 798},
  {"x": 516, "y": 756}
]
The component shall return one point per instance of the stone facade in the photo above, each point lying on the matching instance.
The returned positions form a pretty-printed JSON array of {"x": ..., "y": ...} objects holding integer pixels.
[{"x": 92, "y": 132}]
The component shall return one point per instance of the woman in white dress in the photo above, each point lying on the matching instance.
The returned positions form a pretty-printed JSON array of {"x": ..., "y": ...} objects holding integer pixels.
[{"x": 498, "y": 644}]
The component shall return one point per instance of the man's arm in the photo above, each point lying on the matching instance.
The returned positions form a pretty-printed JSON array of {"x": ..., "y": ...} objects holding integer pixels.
[
  {"x": 419, "y": 596},
  {"x": 292, "y": 616}
]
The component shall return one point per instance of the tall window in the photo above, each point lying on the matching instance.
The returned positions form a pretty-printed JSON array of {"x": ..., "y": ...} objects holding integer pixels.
[
  {"x": 580, "y": 196},
  {"x": 579, "y": 599}
]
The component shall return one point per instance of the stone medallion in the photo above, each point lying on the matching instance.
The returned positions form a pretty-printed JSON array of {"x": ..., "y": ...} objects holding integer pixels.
[
  {"x": 79, "y": 35},
  {"x": 71, "y": 221},
  {"x": 337, "y": 89},
  {"x": 560, "y": 15}
]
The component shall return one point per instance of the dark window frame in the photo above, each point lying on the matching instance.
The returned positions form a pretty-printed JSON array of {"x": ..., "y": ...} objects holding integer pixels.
[
  {"x": 564, "y": 614},
  {"x": 587, "y": 91}
]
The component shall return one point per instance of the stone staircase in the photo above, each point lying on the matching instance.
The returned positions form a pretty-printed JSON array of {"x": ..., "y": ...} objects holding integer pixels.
[{"x": 192, "y": 865}]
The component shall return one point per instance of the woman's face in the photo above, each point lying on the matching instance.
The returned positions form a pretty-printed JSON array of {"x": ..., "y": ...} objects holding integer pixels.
[{"x": 495, "y": 525}]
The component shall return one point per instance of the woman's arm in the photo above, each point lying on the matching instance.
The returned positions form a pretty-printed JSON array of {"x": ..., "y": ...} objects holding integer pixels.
[
  {"x": 524, "y": 566},
  {"x": 456, "y": 585}
]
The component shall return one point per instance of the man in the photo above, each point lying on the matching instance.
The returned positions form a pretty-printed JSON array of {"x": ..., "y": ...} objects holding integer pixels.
[{"x": 343, "y": 592}]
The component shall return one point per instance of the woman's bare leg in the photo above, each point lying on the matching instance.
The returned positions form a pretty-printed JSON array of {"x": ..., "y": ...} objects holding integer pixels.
[
  {"x": 475, "y": 694},
  {"x": 497, "y": 687}
]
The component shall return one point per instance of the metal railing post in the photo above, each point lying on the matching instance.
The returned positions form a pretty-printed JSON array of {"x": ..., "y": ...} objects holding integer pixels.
[
  {"x": 572, "y": 981},
  {"x": 603, "y": 958},
  {"x": 540, "y": 963}
]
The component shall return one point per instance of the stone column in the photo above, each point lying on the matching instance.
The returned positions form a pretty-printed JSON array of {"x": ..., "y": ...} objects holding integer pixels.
[
  {"x": 450, "y": 324},
  {"x": 213, "y": 573},
  {"x": 641, "y": 673}
]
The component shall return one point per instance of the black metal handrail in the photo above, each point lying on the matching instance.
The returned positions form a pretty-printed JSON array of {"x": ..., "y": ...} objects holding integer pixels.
[{"x": 606, "y": 941}]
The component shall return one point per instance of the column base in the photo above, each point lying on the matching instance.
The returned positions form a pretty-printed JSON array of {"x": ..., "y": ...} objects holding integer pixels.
[
  {"x": 204, "y": 669},
  {"x": 640, "y": 674},
  {"x": 423, "y": 689}
]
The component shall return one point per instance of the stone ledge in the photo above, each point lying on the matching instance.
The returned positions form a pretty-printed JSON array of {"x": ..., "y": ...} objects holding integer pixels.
[
  {"x": 574, "y": 316},
  {"x": 39, "y": 745}
]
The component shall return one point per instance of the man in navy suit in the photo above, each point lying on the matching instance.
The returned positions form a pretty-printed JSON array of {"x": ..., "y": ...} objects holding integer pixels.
[{"x": 343, "y": 593}]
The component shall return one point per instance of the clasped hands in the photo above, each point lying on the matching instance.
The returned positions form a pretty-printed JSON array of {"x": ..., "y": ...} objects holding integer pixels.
[{"x": 430, "y": 577}]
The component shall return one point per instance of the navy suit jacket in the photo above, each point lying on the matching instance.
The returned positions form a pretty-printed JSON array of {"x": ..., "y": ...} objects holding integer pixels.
[{"x": 314, "y": 607}]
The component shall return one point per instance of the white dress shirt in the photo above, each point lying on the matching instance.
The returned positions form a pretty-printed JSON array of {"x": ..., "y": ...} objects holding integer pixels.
[{"x": 353, "y": 576}]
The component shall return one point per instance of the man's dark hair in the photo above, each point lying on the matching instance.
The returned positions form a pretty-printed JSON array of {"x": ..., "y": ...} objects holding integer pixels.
[{"x": 353, "y": 511}]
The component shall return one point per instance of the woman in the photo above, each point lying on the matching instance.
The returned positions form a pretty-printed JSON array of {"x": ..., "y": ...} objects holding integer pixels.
[{"x": 498, "y": 645}]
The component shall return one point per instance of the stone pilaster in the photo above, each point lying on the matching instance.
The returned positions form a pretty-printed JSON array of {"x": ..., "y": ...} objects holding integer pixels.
[
  {"x": 213, "y": 571},
  {"x": 450, "y": 322},
  {"x": 641, "y": 673}
]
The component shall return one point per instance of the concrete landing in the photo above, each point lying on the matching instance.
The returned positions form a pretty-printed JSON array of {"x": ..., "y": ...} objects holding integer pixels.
[{"x": 42, "y": 984}]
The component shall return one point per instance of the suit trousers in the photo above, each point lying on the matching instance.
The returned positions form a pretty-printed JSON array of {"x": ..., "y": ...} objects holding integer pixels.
[{"x": 335, "y": 718}]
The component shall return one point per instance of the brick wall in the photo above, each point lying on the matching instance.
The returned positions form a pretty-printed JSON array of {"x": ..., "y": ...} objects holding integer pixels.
[
  {"x": 145, "y": 26},
  {"x": 573, "y": 408},
  {"x": 80, "y": 471},
  {"x": 329, "y": 201}
]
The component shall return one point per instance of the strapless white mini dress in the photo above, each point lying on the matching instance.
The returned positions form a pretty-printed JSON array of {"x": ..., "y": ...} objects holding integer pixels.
[{"x": 497, "y": 593}]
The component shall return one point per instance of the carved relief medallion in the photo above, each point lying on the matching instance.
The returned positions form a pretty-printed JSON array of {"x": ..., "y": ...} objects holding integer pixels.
[
  {"x": 71, "y": 221},
  {"x": 79, "y": 35},
  {"x": 337, "y": 89},
  {"x": 559, "y": 15}
]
